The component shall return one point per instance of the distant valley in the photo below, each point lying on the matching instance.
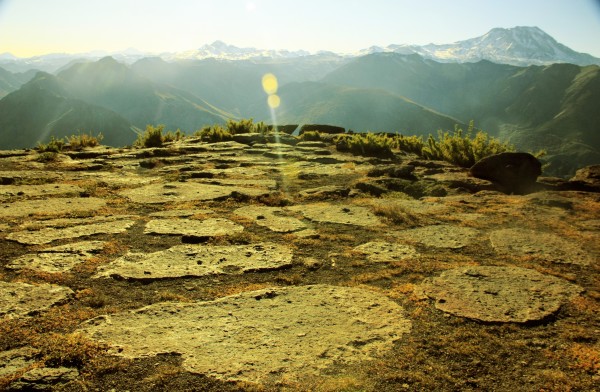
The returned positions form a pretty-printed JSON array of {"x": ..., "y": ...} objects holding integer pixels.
[{"x": 554, "y": 106}]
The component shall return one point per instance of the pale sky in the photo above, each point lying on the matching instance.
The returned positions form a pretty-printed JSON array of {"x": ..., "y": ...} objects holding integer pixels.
[{"x": 35, "y": 27}]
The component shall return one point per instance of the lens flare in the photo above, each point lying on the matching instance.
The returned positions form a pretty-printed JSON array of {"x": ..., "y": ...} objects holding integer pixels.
[
  {"x": 274, "y": 101},
  {"x": 269, "y": 83}
]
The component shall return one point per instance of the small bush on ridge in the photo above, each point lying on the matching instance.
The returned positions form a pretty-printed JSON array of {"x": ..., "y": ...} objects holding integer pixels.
[
  {"x": 214, "y": 133},
  {"x": 54, "y": 145},
  {"x": 78, "y": 142},
  {"x": 152, "y": 137},
  {"x": 462, "y": 150},
  {"x": 366, "y": 144},
  {"x": 311, "y": 136}
]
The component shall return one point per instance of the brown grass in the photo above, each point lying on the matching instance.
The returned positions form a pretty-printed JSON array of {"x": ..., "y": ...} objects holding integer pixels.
[
  {"x": 71, "y": 350},
  {"x": 584, "y": 357}
]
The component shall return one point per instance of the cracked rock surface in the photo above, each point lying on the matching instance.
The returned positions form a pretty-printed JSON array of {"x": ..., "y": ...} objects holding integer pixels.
[
  {"x": 499, "y": 294},
  {"x": 199, "y": 260},
  {"x": 294, "y": 331}
]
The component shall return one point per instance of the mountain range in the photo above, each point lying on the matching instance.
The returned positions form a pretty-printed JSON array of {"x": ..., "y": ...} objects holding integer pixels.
[{"x": 518, "y": 84}]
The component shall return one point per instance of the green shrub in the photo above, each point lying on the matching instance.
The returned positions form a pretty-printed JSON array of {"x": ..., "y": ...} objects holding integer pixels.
[
  {"x": 47, "y": 156},
  {"x": 78, "y": 142},
  {"x": 413, "y": 144},
  {"x": 242, "y": 126},
  {"x": 152, "y": 137},
  {"x": 247, "y": 126},
  {"x": 214, "y": 133},
  {"x": 463, "y": 150},
  {"x": 311, "y": 136},
  {"x": 262, "y": 128},
  {"x": 366, "y": 144},
  {"x": 171, "y": 136},
  {"x": 54, "y": 145}
]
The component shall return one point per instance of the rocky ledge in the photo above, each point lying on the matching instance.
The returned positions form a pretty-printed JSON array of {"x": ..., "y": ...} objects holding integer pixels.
[{"x": 292, "y": 266}]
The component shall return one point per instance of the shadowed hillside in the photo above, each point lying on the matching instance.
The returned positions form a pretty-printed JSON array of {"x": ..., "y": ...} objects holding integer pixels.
[
  {"x": 115, "y": 86},
  {"x": 43, "y": 108},
  {"x": 359, "y": 109}
]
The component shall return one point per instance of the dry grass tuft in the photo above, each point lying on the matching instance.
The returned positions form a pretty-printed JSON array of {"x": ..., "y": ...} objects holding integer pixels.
[
  {"x": 585, "y": 357},
  {"x": 70, "y": 350},
  {"x": 277, "y": 199},
  {"x": 396, "y": 215}
]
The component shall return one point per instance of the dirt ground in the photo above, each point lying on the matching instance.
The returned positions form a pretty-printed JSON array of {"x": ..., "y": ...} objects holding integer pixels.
[{"x": 442, "y": 352}]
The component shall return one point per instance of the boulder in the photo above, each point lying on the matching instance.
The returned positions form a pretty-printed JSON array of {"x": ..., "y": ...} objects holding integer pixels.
[
  {"x": 289, "y": 128},
  {"x": 513, "y": 172},
  {"x": 588, "y": 176}
]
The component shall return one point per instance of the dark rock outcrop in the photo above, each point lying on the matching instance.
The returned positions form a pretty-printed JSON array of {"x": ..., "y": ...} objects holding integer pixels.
[
  {"x": 331, "y": 129},
  {"x": 588, "y": 177},
  {"x": 512, "y": 172}
]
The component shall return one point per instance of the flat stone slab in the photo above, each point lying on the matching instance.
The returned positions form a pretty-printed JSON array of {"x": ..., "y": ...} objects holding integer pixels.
[
  {"x": 180, "y": 213},
  {"x": 499, "y": 294},
  {"x": 441, "y": 236},
  {"x": 198, "y": 260},
  {"x": 213, "y": 227},
  {"x": 9, "y": 191},
  {"x": 52, "y": 206},
  {"x": 22, "y": 299},
  {"x": 547, "y": 246},
  {"x": 308, "y": 170},
  {"x": 346, "y": 214},
  {"x": 241, "y": 182},
  {"x": 187, "y": 191},
  {"x": 385, "y": 252},
  {"x": 12, "y": 361},
  {"x": 44, "y": 379},
  {"x": 271, "y": 217},
  {"x": 16, "y": 177},
  {"x": 115, "y": 179},
  {"x": 59, "y": 258},
  {"x": 49, "y": 234},
  {"x": 290, "y": 332}
]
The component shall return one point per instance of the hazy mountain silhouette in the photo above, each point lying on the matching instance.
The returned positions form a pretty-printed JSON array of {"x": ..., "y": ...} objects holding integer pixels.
[
  {"x": 10, "y": 82},
  {"x": 357, "y": 109},
  {"x": 115, "y": 86},
  {"x": 42, "y": 108},
  {"x": 553, "y": 107}
]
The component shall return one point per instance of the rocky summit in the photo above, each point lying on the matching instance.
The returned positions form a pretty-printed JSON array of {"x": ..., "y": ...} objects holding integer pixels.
[{"x": 290, "y": 266}]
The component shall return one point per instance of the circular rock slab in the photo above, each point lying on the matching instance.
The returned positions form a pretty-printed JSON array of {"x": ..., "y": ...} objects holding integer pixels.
[
  {"x": 287, "y": 332},
  {"x": 272, "y": 218},
  {"x": 212, "y": 227},
  {"x": 548, "y": 246},
  {"x": 345, "y": 214},
  {"x": 22, "y": 299},
  {"x": 199, "y": 260},
  {"x": 441, "y": 236},
  {"x": 50, "y": 234},
  {"x": 385, "y": 252},
  {"x": 499, "y": 294},
  {"x": 59, "y": 258},
  {"x": 52, "y": 206}
]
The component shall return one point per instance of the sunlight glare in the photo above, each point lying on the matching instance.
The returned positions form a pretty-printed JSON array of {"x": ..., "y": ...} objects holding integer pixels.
[
  {"x": 274, "y": 101},
  {"x": 269, "y": 83}
]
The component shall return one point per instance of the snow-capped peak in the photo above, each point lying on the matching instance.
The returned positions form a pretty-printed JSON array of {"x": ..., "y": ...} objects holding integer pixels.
[
  {"x": 221, "y": 50},
  {"x": 518, "y": 46}
]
